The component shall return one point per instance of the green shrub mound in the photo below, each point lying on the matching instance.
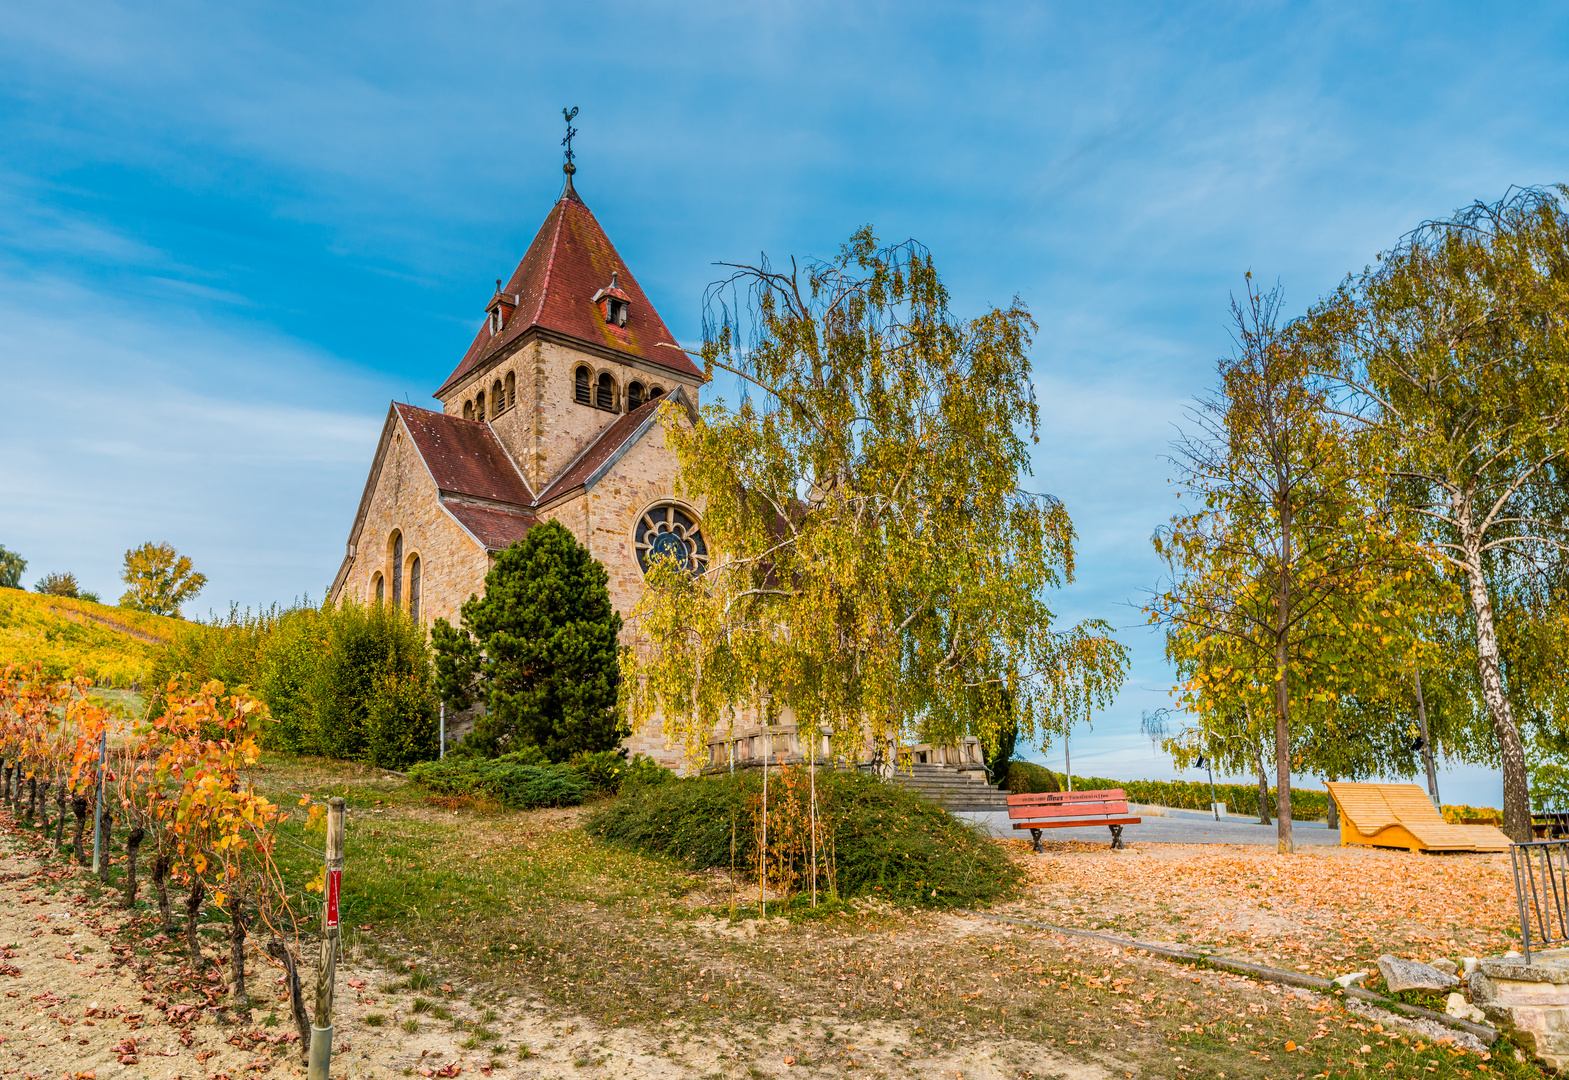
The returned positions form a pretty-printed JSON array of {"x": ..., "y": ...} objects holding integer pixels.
[
  {"x": 1028, "y": 778},
  {"x": 524, "y": 779},
  {"x": 507, "y": 779},
  {"x": 885, "y": 841}
]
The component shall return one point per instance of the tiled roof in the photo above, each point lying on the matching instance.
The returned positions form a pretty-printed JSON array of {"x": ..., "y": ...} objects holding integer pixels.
[
  {"x": 464, "y": 456},
  {"x": 613, "y": 439},
  {"x": 569, "y": 261},
  {"x": 494, "y": 527}
]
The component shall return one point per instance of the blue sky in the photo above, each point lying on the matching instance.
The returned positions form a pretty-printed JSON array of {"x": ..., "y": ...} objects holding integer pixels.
[{"x": 230, "y": 233}]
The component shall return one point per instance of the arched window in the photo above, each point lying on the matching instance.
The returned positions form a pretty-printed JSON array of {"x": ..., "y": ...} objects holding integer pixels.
[
  {"x": 414, "y": 588},
  {"x": 381, "y": 586},
  {"x": 605, "y": 392},
  {"x": 479, "y": 405},
  {"x": 468, "y": 410},
  {"x": 498, "y": 399},
  {"x": 512, "y": 390},
  {"x": 582, "y": 395},
  {"x": 397, "y": 569},
  {"x": 634, "y": 395},
  {"x": 658, "y": 391}
]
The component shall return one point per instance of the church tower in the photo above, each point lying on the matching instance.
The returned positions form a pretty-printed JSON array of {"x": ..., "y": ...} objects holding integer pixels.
[
  {"x": 557, "y": 411},
  {"x": 569, "y": 344}
]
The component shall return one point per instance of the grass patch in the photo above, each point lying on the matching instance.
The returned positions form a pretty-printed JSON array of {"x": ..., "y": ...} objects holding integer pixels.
[
  {"x": 885, "y": 841},
  {"x": 375, "y": 1020}
]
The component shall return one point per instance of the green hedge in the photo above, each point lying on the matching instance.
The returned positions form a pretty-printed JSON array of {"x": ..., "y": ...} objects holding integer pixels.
[
  {"x": 1307, "y": 804},
  {"x": 886, "y": 841}
]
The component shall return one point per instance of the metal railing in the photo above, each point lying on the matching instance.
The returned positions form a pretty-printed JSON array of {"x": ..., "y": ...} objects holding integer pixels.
[{"x": 1541, "y": 870}]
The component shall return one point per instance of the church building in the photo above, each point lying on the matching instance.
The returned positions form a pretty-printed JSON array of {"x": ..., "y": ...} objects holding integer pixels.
[{"x": 551, "y": 414}]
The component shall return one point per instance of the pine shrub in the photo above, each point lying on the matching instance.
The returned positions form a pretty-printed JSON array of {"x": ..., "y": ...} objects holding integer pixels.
[{"x": 884, "y": 841}]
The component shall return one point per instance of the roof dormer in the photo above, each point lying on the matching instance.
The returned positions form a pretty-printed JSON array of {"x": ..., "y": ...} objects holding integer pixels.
[
  {"x": 500, "y": 309},
  {"x": 613, "y": 304}
]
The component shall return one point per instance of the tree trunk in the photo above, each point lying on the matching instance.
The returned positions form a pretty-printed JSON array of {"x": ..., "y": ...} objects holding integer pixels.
[
  {"x": 193, "y": 908},
  {"x": 237, "y": 996},
  {"x": 1332, "y": 814},
  {"x": 1427, "y": 740},
  {"x": 281, "y": 953},
  {"x": 1283, "y": 704},
  {"x": 161, "y": 883},
  {"x": 1511, "y": 754},
  {"x": 1263, "y": 776},
  {"x": 133, "y": 843},
  {"x": 5, "y": 794},
  {"x": 59, "y": 817},
  {"x": 79, "y": 808},
  {"x": 43, "y": 807},
  {"x": 32, "y": 799}
]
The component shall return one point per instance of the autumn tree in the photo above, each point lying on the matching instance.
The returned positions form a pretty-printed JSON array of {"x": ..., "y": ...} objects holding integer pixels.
[
  {"x": 1453, "y": 355},
  {"x": 875, "y": 565},
  {"x": 160, "y": 579},
  {"x": 12, "y": 566},
  {"x": 1277, "y": 562}
]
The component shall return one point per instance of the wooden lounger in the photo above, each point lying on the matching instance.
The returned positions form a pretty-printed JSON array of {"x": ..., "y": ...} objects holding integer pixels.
[{"x": 1402, "y": 816}]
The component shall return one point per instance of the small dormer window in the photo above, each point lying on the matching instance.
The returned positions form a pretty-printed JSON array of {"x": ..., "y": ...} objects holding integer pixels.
[
  {"x": 613, "y": 303},
  {"x": 495, "y": 319}
]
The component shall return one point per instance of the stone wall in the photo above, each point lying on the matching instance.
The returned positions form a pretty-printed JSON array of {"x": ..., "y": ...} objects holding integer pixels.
[
  {"x": 547, "y": 429},
  {"x": 1532, "y": 998},
  {"x": 452, "y": 565}
]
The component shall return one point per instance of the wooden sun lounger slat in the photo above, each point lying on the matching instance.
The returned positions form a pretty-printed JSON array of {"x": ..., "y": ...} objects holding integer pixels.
[{"x": 1402, "y": 815}]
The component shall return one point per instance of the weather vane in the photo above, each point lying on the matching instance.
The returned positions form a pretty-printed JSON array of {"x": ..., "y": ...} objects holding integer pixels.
[{"x": 567, "y": 142}]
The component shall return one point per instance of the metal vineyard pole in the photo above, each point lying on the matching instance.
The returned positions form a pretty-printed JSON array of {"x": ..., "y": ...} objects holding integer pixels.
[{"x": 321, "y": 1026}]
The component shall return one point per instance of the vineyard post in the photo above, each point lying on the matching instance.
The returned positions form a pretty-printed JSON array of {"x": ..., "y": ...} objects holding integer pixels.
[
  {"x": 321, "y": 1027},
  {"x": 443, "y": 730},
  {"x": 98, "y": 804}
]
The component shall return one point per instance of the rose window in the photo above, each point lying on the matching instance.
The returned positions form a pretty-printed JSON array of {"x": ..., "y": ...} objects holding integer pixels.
[{"x": 667, "y": 531}]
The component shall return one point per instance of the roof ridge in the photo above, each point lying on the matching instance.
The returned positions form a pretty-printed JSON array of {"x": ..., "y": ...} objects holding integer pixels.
[{"x": 550, "y": 263}]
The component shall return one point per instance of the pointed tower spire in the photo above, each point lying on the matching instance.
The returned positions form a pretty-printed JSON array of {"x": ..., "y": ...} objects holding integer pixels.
[{"x": 569, "y": 192}]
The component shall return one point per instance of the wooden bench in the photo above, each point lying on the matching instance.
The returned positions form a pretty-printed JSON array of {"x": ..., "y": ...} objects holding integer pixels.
[{"x": 1071, "y": 810}]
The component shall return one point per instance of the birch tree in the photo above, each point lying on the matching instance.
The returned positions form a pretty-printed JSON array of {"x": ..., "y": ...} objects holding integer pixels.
[
  {"x": 876, "y": 565},
  {"x": 1453, "y": 356},
  {"x": 1274, "y": 564}
]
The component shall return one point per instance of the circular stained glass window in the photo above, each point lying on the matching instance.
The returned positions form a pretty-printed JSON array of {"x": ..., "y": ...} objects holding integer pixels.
[{"x": 667, "y": 531}]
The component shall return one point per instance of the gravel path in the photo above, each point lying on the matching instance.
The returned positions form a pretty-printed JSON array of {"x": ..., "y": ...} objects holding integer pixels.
[{"x": 1177, "y": 827}]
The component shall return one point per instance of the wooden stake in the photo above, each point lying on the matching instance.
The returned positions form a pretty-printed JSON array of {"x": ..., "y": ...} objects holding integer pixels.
[{"x": 321, "y": 1026}]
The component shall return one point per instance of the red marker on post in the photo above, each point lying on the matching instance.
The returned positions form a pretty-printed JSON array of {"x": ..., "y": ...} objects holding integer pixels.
[{"x": 334, "y": 880}]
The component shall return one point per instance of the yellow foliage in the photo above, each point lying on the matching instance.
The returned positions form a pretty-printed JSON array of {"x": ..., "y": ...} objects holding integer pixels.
[{"x": 69, "y": 637}]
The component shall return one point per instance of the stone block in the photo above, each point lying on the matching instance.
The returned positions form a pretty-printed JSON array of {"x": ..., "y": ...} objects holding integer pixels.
[{"x": 1401, "y": 974}]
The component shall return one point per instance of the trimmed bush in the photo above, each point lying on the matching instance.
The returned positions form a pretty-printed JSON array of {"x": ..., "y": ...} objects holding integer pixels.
[
  {"x": 608, "y": 770},
  {"x": 1028, "y": 778},
  {"x": 885, "y": 841},
  {"x": 514, "y": 785}
]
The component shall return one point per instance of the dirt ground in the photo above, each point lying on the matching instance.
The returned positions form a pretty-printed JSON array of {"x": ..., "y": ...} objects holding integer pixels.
[
  {"x": 1324, "y": 910},
  {"x": 560, "y": 977}
]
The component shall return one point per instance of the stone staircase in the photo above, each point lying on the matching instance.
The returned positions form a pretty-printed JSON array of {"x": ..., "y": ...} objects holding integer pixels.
[{"x": 952, "y": 788}]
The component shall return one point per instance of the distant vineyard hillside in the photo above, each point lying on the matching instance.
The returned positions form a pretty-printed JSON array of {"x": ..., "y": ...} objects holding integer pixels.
[{"x": 113, "y": 646}]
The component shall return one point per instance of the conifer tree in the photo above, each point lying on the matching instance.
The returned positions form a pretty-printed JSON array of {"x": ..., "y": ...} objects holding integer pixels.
[{"x": 539, "y": 648}]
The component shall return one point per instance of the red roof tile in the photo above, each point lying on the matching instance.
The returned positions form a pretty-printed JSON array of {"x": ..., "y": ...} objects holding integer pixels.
[
  {"x": 569, "y": 261},
  {"x": 602, "y": 449},
  {"x": 492, "y": 526},
  {"x": 464, "y": 456}
]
